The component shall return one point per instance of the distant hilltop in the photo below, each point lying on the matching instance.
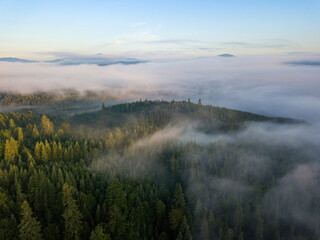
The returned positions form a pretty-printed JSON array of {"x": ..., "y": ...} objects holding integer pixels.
[{"x": 226, "y": 55}]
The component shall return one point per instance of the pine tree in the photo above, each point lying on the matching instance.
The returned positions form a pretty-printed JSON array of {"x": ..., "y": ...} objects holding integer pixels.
[
  {"x": 178, "y": 198},
  {"x": 19, "y": 135},
  {"x": 12, "y": 124},
  {"x": 77, "y": 151},
  {"x": 116, "y": 195},
  {"x": 60, "y": 152},
  {"x": 99, "y": 234},
  {"x": 185, "y": 230},
  {"x": 11, "y": 150},
  {"x": 46, "y": 126},
  {"x": 71, "y": 215},
  {"x": 109, "y": 143},
  {"x": 37, "y": 152},
  {"x": 85, "y": 149},
  {"x": 176, "y": 217},
  {"x": 98, "y": 214},
  {"x": 44, "y": 153},
  {"x": 35, "y": 132},
  {"x": 29, "y": 227},
  {"x": 204, "y": 231},
  {"x": 118, "y": 137},
  {"x": 161, "y": 214},
  {"x": 117, "y": 222},
  {"x": 55, "y": 151},
  {"x": 65, "y": 155}
]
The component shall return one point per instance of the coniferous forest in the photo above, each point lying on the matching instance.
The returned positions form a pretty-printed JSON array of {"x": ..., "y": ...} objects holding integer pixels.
[{"x": 156, "y": 170}]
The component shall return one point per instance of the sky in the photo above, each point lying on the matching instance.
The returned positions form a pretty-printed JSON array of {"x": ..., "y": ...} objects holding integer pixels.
[
  {"x": 168, "y": 49},
  {"x": 168, "y": 28}
]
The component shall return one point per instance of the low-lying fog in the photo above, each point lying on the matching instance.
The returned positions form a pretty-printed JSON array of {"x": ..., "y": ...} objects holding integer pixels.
[{"x": 262, "y": 84}]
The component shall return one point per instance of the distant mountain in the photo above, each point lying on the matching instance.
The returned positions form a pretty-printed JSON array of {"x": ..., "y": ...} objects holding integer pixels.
[
  {"x": 226, "y": 55},
  {"x": 11, "y": 59},
  {"x": 305, "y": 63},
  {"x": 96, "y": 60}
]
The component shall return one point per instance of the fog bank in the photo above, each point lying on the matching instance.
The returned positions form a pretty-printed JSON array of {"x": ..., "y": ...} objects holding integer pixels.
[{"x": 260, "y": 84}]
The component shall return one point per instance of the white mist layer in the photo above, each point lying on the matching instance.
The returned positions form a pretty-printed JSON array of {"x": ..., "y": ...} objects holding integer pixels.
[{"x": 261, "y": 84}]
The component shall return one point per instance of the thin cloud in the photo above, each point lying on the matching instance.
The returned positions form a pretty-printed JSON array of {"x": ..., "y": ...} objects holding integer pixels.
[
  {"x": 273, "y": 43},
  {"x": 115, "y": 42}
]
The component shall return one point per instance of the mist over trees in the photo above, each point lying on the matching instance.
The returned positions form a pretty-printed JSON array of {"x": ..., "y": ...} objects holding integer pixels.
[{"x": 158, "y": 170}]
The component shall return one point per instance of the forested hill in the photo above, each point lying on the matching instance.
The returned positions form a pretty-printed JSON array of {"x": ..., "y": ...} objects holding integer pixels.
[
  {"x": 161, "y": 113},
  {"x": 128, "y": 172}
]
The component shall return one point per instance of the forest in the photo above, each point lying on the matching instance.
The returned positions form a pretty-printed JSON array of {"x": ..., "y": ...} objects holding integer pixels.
[{"x": 157, "y": 170}]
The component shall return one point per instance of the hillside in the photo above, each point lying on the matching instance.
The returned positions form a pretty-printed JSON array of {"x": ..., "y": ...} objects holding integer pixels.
[
  {"x": 157, "y": 170},
  {"x": 161, "y": 113}
]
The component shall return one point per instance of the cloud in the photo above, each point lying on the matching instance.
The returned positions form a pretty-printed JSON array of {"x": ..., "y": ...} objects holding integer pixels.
[
  {"x": 260, "y": 84},
  {"x": 136, "y": 37},
  {"x": 115, "y": 42},
  {"x": 292, "y": 198},
  {"x": 245, "y": 159},
  {"x": 174, "y": 41},
  {"x": 142, "y": 36},
  {"x": 270, "y": 43}
]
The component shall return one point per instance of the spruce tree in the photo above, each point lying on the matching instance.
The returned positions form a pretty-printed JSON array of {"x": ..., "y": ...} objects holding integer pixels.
[
  {"x": 99, "y": 234},
  {"x": 46, "y": 126},
  {"x": 11, "y": 150},
  {"x": 29, "y": 227},
  {"x": 71, "y": 215},
  {"x": 35, "y": 132}
]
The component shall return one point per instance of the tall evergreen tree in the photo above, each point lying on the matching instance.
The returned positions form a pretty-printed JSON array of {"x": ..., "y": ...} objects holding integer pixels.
[
  {"x": 99, "y": 234},
  {"x": 178, "y": 198},
  {"x": 46, "y": 126},
  {"x": 29, "y": 227},
  {"x": 19, "y": 133},
  {"x": 184, "y": 231},
  {"x": 11, "y": 150},
  {"x": 12, "y": 124},
  {"x": 35, "y": 132},
  {"x": 71, "y": 215}
]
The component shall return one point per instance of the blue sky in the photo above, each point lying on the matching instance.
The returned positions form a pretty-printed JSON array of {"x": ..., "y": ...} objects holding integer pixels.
[
  {"x": 276, "y": 43},
  {"x": 158, "y": 28}
]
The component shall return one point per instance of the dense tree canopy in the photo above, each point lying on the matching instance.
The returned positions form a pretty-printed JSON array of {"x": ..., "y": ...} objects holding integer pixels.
[{"x": 106, "y": 175}]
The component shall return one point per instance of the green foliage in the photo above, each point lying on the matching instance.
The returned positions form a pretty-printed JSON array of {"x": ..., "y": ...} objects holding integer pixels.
[
  {"x": 178, "y": 198},
  {"x": 100, "y": 176},
  {"x": 30, "y": 99},
  {"x": 11, "y": 150},
  {"x": 46, "y": 126},
  {"x": 71, "y": 215},
  {"x": 35, "y": 132},
  {"x": 117, "y": 222},
  {"x": 29, "y": 227},
  {"x": 99, "y": 234}
]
